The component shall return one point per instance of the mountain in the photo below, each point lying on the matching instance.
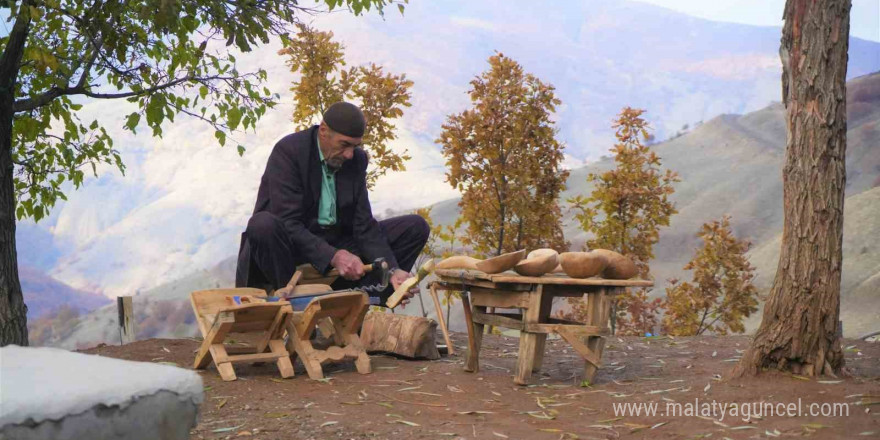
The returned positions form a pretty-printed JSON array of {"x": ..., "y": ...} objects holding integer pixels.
[
  {"x": 732, "y": 165},
  {"x": 729, "y": 165},
  {"x": 44, "y": 294},
  {"x": 184, "y": 200}
]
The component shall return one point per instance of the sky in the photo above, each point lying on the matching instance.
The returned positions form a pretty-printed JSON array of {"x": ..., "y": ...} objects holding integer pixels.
[{"x": 864, "y": 16}]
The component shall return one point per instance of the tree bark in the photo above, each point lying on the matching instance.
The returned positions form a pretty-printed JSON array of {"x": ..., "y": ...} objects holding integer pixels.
[
  {"x": 13, "y": 311},
  {"x": 798, "y": 332},
  {"x": 404, "y": 335}
]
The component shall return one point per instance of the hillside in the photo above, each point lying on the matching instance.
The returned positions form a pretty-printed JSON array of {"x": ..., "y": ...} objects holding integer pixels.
[
  {"x": 729, "y": 165},
  {"x": 168, "y": 217},
  {"x": 44, "y": 295}
]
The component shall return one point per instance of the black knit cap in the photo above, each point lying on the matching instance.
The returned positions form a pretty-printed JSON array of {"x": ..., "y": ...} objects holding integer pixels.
[{"x": 346, "y": 118}]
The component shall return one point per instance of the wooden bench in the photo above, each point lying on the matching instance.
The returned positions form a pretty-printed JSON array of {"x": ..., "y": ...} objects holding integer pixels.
[{"x": 533, "y": 296}]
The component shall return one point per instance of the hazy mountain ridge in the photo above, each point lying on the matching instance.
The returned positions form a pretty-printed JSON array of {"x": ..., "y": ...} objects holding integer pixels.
[
  {"x": 169, "y": 217},
  {"x": 44, "y": 294},
  {"x": 729, "y": 165}
]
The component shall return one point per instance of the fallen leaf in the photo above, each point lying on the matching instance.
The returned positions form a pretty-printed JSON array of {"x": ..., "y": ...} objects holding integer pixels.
[
  {"x": 800, "y": 377},
  {"x": 659, "y": 425},
  {"x": 498, "y": 434},
  {"x": 496, "y": 393},
  {"x": 332, "y": 422},
  {"x": 815, "y": 425},
  {"x": 829, "y": 382},
  {"x": 426, "y": 394},
  {"x": 385, "y": 404},
  {"x": 275, "y": 415},
  {"x": 708, "y": 385},
  {"x": 405, "y": 422},
  {"x": 475, "y": 412},
  {"x": 454, "y": 389},
  {"x": 409, "y": 388},
  {"x": 232, "y": 428},
  {"x": 610, "y": 420},
  {"x": 222, "y": 403}
]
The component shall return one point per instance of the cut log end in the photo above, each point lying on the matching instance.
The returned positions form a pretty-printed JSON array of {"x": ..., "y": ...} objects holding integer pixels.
[{"x": 409, "y": 336}]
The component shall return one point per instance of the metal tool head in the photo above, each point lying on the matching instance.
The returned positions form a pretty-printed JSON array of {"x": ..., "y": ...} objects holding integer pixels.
[{"x": 384, "y": 273}]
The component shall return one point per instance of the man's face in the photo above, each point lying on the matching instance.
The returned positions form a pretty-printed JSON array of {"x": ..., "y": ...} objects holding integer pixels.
[{"x": 337, "y": 148}]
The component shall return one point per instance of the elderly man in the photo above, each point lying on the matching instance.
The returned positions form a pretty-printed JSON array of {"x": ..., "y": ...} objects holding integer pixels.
[{"x": 312, "y": 207}]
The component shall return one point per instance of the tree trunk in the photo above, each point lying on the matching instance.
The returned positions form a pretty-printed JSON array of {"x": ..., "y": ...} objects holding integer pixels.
[
  {"x": 13, "y": 312},
  {"x": 799, "y": 329}
]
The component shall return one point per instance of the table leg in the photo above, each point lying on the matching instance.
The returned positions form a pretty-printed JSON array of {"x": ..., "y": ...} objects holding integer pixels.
[
  {"x": 475, "y": 335},
  {"x": 528, "y": 341},
  {"x": 546, "y": 306},
  {"x": 449, "y": 348},
  {"x": 598, "y": 308}
]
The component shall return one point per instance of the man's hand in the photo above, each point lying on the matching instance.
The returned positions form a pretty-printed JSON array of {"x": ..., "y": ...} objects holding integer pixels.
[
  {"x": 398, "y": 277},
  {"x": 348, "y": 265}
]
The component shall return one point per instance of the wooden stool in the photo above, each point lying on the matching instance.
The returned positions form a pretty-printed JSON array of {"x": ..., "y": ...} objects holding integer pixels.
[
  {"x": 345, "y": 311},
  {"x": 217, "y": 316}
]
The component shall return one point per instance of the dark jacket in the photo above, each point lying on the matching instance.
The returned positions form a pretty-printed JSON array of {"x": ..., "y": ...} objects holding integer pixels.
[{"x": 291, "y": 189}]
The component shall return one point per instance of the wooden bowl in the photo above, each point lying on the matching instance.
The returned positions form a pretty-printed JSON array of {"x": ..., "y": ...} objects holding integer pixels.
[
  {"x": 458, "y": 262},
  {"x": 501, "y": 263},
  {"x": 618, "y": 267},
  {"x": 543, "y": 252},
  {"x": 537, "y": 266},
  {"x": 582, "y": 264}
]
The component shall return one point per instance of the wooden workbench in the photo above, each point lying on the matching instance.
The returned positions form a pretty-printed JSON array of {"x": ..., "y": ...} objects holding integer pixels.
[{"x": 534, "y": 297}]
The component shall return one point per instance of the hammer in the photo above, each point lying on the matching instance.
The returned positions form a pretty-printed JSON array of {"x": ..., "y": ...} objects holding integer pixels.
[{"x": 307, "y": 272}]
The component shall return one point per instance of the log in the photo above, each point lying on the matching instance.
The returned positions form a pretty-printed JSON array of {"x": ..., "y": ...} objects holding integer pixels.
[{"x": 409, "y": 336}]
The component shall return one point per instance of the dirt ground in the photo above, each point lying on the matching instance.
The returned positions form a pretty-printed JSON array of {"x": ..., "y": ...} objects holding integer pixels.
[{"x": 405, "y": 399}]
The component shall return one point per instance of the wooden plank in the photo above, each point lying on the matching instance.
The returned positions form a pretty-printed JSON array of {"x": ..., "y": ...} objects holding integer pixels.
[
  {"x": 475, "y": 336},
  {"x": 499, "y": 298},
  {"x": 254, "y": 357},
  {"x": 219, "y": 328},
  {"x": 587, "y": 353},
  {"x": 528, "y": 341},
  {"x": 126, "y": 319},
  {"x": 599, "y": 309},
  {"x": 578, "y": 329},
  {"x": 556, "y": 279},
  {"x": 449, "y": 347},
  {"x": 285, "y": 367},
  {"x": 451, "y": 275},
  {"x": 546, "y": 307},
  {"x": 272, "y": 331},
  {"x": 498, "y": 320}
]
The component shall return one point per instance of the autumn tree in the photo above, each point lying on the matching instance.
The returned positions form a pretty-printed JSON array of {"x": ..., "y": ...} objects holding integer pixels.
[
  {"x": 721, "y": 294},
  {"x": 166, "y": 59},
  {"x": 503, "y": 156},
  {"x": 798, "y": 332},
  {"x": 629, "y": 204},
  {"x": 323, "y": 80}
]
